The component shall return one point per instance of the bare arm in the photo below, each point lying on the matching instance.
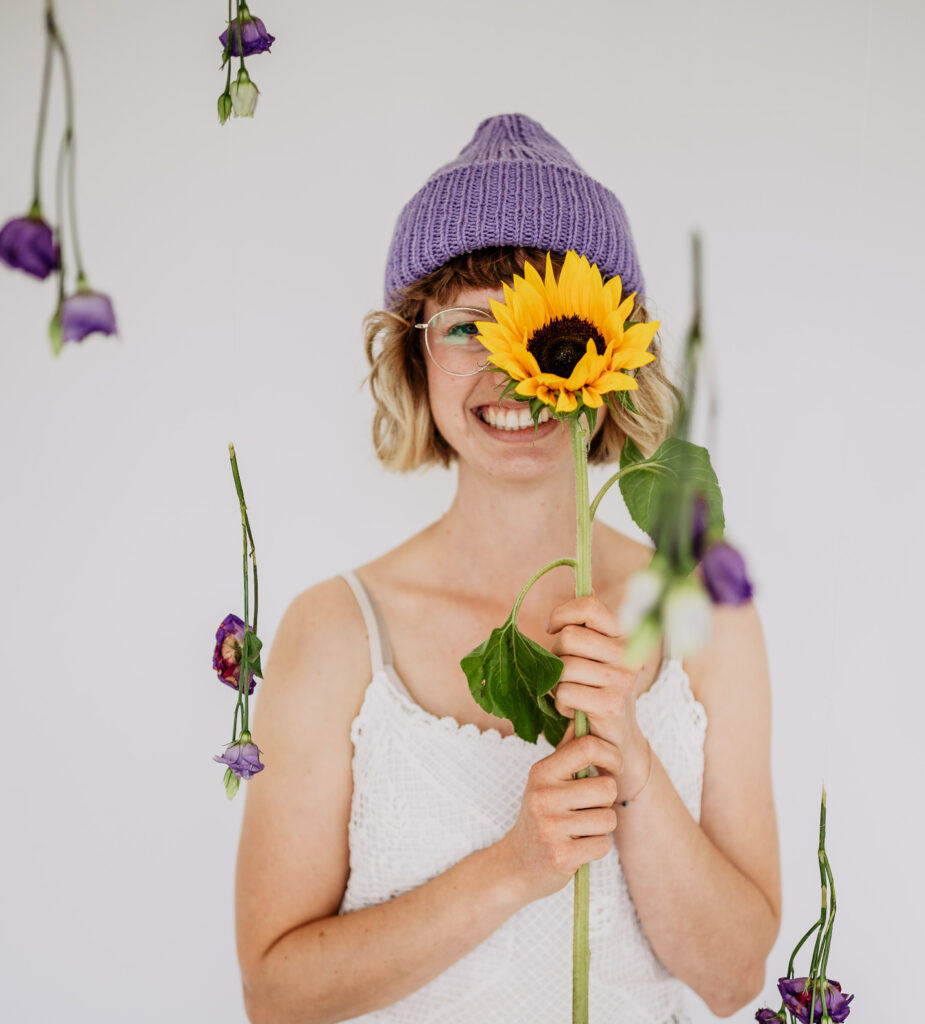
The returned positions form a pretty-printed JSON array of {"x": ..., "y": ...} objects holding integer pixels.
[
  {"x": 300, "y": 961},
  {"x": 708, "y": 895}
]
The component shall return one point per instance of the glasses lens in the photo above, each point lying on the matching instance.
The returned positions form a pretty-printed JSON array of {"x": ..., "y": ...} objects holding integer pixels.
[{"x": 453, "y": 340}]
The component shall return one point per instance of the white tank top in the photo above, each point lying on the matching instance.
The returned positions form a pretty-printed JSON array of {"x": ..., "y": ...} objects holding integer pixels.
[{"x": 427, "y": 792}]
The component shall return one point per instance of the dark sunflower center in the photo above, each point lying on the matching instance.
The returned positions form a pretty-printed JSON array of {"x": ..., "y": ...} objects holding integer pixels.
[{"x": 559, "y": 345}]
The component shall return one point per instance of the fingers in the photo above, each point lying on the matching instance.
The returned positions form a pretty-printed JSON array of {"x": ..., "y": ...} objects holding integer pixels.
[
  {"x": 574, "y": 755},
  {"x": 584, "y": 611},
  {"x": 597, "y": 704}
]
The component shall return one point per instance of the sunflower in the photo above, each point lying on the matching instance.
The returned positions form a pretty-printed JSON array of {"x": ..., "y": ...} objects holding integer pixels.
[{"x": 566, "y": 342}]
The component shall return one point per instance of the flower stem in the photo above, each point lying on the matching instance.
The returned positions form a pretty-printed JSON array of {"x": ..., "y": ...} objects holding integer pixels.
[
  {"x": 43, "y": 115},
  {"x": 619, "y": 476},
  {"x": 581, "y": 953},
  {"x": 249, "y": 626},
  {"x": 68, "y": 144},
  {"x": 542, "y": 572}
]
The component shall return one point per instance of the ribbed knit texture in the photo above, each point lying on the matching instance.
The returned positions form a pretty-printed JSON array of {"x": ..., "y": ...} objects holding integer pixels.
[
  {"x": 428, "y": 792},
  {"x": 514, "y": 184}
]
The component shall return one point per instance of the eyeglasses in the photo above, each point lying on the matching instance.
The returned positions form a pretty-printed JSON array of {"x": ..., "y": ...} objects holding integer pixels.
[{"x": 453, "y": 341}]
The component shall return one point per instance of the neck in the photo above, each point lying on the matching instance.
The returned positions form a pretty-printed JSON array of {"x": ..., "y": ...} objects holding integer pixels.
[{"x": 500, "y": 531}]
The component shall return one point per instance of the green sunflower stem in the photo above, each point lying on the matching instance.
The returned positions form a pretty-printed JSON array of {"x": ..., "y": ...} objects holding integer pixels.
[{"x": 581, "y": 953}]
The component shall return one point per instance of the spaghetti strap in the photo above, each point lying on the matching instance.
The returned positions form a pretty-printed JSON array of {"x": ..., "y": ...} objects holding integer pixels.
[{"x": 380, "y": 654}]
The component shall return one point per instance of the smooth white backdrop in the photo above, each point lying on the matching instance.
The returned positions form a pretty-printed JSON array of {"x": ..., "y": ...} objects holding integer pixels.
[{"x": 241, "y": 261}]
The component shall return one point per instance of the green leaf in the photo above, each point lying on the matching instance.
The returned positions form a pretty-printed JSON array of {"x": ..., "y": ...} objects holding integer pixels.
[
  {"x": 671, "y": 477},
  {"x": 510, "y": 676},
  {"x": 231, "y": 782},
  {"x": 591, "y": 416},
  {"x": 250, "y": 653}
]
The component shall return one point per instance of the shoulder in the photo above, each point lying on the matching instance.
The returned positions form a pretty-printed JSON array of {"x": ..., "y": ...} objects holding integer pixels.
[
  {"x": 319, "y": 661},
  {"x": 732, "y": 666}
]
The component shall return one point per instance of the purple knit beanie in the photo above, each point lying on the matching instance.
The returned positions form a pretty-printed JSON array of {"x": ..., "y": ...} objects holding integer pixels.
[{"x": 514, "y": 184}]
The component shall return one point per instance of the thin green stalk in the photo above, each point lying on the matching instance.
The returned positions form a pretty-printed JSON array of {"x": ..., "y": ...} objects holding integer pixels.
[
  {"x": 523, "y": 592},
  {"x": 43, "y": 116},
  {"x": 625, "y": 471},
  {"x": 825, "y": 889},
  {"x": 69, "y": 143},
  {"x": 249, "y": 625},
  {"x": 581, "y": 953},
  {"x": 827, "y": 939}
]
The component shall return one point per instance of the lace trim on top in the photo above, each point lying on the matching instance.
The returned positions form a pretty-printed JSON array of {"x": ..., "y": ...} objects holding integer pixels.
[{"x": 429, "y": 791}]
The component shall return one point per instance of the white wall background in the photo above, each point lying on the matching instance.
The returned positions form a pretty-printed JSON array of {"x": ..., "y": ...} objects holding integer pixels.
[{"x": 241, "y": 260}]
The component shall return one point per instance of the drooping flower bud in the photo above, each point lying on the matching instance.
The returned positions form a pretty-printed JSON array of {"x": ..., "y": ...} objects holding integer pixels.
[
  {"x": 797, "y": 994},
  {"x": 244, "y": 95},
  {"x": 724, "y": 574},
  {"x": 224, "y": 107},
  {"x": 643, "y": 592},
  {"x": 242, "y": 757},
  {"x": 28, "y": 244},
  {"x": 687, "y": 616},
  {"x": 86, "y": 312},
  {"x": 765, "y": 1016},
  {"x": 229, "y": 647},
  {"x": 253, "y": 34}
]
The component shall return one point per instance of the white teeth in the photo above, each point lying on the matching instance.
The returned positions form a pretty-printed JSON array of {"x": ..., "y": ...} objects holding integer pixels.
[{"x": 510, "y": 419}]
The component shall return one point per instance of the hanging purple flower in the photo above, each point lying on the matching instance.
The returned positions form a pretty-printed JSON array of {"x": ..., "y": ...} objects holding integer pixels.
[
  {"x": 724, "y": 574},
  {"x": 797, "y": 994},
  {"x": 243, "y": 757},
  {"x": 226, "y": 659},
  {"x": 27, "y": 243},
  {"x": 765, "y": 1016},
  {"x": 86, "y": 312},
  {"x": 254, "y": 35}
]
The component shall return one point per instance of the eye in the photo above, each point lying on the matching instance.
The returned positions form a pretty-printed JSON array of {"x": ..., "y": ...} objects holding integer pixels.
[{"x": 462, "y": 332}]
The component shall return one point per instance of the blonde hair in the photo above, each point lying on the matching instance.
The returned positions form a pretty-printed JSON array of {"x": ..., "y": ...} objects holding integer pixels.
[{"x": 404, "y": 434}]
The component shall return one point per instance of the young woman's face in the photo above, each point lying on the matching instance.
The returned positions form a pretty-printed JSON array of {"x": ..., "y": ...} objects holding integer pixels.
[{"x": 483, "y": 432}]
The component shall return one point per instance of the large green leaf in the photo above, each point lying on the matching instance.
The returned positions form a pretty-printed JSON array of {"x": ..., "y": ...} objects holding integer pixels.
[
  {"x": 672, "y": 477},
  {"x": 510, "y": 676}
]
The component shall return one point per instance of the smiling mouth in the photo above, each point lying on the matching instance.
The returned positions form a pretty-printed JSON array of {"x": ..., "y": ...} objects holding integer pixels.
[{"x": 509, "y": 419}]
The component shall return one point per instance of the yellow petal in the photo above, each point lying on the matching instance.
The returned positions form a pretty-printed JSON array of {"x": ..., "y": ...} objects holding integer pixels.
[
  {"x": 615, "y": 381},
  {"x": 641, "y": 335},
  {"x": 566, "y": 402},
  {"x": 591, "y": 398},
  {"x": 529, "y": 387},
  {"x": 510, "y": 365},
  {"x": 494, "y": 337},
  {"x": 631, "y": 360},
  {"x": 552, "y": 290}
]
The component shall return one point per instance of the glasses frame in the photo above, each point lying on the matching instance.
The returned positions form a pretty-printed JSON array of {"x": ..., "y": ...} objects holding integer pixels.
[{"x": 483, "y": 315}]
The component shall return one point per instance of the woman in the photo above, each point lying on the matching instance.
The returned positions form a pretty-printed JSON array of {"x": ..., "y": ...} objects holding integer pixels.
[{"x": 406, "y": 858}]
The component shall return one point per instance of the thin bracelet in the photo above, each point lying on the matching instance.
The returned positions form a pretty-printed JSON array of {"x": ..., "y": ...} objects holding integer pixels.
[{"x": 626, "y": 803}]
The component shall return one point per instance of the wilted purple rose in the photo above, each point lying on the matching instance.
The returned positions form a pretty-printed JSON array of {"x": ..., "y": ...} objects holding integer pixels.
[
  {"x": 226, "y": 659},
  {"x": 254, "y": 35},
  {"x": 27, "y": 243},
  {"x": 797, "y": 995},
  {"x": 724, "y": 574},
  {"x": 86, "y": 312},
  {"x": 243, "y": 757},
  {"x": 765, "y": 1016}
]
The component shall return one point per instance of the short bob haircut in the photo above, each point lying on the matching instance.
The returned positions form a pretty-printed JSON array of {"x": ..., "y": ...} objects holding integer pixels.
[{"x": 404, "y": 433}]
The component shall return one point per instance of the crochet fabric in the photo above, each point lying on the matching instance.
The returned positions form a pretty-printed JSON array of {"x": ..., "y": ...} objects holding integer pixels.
[{"x": 428, "y": 792}]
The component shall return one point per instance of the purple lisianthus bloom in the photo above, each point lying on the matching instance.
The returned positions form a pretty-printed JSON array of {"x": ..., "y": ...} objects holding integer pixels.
[
  {"x": 27, "y": 243},
  {"x": 243, "y": 757},
  {"x": 765, "y": 1016},
  {"x": 226, "y": 659},
  {"x": 797, "y": 994},
  {"x": 254, "y": 35},
  {"x": 86, "y": 312},
  {"x": 724, "y": 574}
]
